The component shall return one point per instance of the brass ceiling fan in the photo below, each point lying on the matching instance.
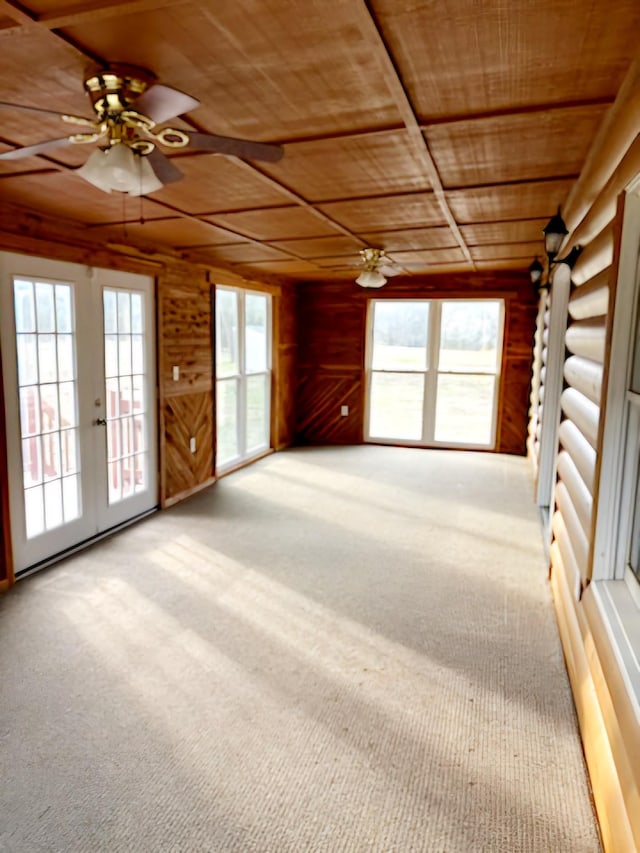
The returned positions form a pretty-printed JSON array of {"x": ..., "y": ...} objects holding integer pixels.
[
  {"x": 129, "y": 104},
  {"x": 377, "y": 268}
]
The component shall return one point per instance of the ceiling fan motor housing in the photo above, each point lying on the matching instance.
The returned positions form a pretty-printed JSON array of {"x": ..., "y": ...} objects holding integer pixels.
[{"x": 113, "y": 89}]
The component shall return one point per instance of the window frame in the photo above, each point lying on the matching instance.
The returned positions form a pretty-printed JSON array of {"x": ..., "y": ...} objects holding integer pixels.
[
  {"x": 432, "y": 372},
  {"x": 241, "y": 376},
  {"x": 614, "y": 587}
]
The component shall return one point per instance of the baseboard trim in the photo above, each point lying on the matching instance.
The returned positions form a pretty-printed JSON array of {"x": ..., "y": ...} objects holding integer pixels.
[{"x": 181, "y": 496}]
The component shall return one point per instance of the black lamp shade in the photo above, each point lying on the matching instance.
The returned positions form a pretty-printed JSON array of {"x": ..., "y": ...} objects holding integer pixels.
[
  {"x": 554, "y": 233},
  {"x": 535, "y": 271}
]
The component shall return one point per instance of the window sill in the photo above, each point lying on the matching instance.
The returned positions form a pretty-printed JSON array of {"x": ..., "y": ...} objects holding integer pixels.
[{"x": 236, "y": 464}]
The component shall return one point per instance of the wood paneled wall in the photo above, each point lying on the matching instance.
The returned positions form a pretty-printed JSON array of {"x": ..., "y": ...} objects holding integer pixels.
[
  {"x": 284, "y": 366},
  {"x": 186, "y": 405},
  {"x": 331, "y": 324}
]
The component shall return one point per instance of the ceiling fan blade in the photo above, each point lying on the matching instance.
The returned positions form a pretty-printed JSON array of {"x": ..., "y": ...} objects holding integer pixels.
[
  {"x": 163, "y": 167},
  {"x": 40, "y": 148},
  {"x": 160, "y": 103},
  {"x": 389, "y": 271},
  {"x": 64, "y": 116},
  {"x": 238, "y": 147}
]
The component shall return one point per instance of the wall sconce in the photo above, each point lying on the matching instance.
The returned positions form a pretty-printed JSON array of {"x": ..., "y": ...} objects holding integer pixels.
[
  {"x": 535, "y": 272},
  {"x": 554, "y": 233}
]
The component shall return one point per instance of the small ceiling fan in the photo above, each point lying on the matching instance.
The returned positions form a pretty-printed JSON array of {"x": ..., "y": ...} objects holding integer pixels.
[
  {"x": 129, "y": 104},
  {"x": 377, "y": 268}
]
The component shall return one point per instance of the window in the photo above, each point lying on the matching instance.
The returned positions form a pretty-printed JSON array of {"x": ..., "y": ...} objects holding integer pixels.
[
  {"x": 616, "y": 564},
  {"x": 433, "y": 371},
  {"x": 243, "y": 375}
]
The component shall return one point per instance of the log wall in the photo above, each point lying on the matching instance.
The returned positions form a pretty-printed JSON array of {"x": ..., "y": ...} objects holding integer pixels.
[
  {"x": 538, "y": 372},
  {"x": 611, "y": 734},
  {"x": 331, "y": 358}
]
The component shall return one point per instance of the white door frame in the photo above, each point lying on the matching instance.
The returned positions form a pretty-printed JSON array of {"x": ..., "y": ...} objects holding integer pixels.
[{"x": 40, "y": 550}]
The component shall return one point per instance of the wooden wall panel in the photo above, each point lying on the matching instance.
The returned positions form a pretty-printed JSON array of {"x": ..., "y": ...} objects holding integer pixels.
[
  {"x": 320, "y": 395},
  {"x": 285, "y": 356},
  {"x": 182, "y": 417},
  {"x": 185, "y": 340},
  {"x": 512, "y": 428},
  {"x": 331, "y": 329}
]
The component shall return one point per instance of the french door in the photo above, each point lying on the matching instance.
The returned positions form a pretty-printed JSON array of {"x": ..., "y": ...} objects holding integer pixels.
[{"x": 78, "y": 360}]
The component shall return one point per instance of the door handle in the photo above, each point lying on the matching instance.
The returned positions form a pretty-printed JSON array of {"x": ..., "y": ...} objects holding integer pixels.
[{"x": 101, "y": 421}]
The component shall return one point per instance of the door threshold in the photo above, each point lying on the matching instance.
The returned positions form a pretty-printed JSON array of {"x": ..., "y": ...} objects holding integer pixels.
[{"x": 80, "y": 546}]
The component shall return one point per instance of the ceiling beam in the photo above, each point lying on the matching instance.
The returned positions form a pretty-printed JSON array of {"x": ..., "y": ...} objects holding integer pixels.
[
  {"x": 340, "y": 135},
  {"x": 99, "y": 10},
  {"x": 373, "y": 35},
  {"x": 79, "y": 13},
  {"x": 513, "y": 183},
  {"x": 425, "y": 124},
  {"x": 17, "y": 12},
  {"x": 26, "y": 19},
  {"x": 510, "y": 112}
]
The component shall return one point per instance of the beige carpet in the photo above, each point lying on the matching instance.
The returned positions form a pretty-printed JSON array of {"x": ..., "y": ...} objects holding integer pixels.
[{"x": 347, "y": 649}]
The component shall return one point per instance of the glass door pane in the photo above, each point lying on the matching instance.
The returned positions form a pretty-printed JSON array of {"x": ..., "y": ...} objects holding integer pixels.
[
  {"x": 228, "y": 445},
  {"x": 226, "y": 333},
  {"x": 48, "y": 395},
  {"x": 257, "y": 412},
  {"x": 125, "y": 411},
  {"x": 255, "y": 333}
]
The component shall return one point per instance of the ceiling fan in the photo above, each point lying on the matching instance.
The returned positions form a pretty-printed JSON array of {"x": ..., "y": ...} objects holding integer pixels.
[
  {"x": 377, "y": 268},
  {"x": 129, "y": 104}
]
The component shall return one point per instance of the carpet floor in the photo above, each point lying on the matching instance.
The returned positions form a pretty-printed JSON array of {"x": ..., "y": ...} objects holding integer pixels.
[{"x": 335, "y": 649}]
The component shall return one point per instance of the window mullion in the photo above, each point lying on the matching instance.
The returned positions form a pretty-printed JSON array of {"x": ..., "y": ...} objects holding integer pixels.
[
  {"x": 242, "y": 378},
  {"x": 431, "y": 373}
]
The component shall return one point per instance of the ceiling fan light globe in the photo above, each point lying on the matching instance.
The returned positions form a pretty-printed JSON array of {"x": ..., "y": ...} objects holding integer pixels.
[
  {"x": 371, "y": 278},
  {"x": 95, "y": 170},
  {"x": 123, "y": 170},
  {"x": 148, "y": 181}
]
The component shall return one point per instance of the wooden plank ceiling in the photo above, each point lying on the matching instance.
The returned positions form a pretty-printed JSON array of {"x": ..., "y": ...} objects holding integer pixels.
[{"x": 443, "y": 131}]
